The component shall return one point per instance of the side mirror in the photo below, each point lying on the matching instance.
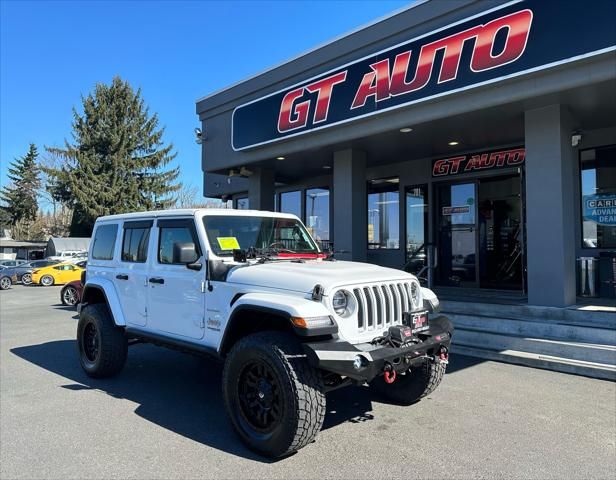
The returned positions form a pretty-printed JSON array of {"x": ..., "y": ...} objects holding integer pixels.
[{"x": 185, "y": 253}]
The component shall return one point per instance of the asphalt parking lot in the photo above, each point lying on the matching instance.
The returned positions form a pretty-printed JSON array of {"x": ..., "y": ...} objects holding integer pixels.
[{"x": 163, "y": 417}]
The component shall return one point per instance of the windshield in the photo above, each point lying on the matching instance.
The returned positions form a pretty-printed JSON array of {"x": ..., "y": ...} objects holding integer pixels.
[{"x": 227, "y": 233}]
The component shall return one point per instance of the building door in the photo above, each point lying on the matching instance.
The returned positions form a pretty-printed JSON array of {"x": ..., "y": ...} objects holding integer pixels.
[
  {"x": 480, "y": 232},
  {"x": 457, "y": 235},
  {"x": 500, "y": 232},
  {"x": 417, "y": 248}
]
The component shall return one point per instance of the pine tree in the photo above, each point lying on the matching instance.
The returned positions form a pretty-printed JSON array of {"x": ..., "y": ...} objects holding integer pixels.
[
  {"x": 19, "y": 198},
  {"x": 117, "y": 161}
]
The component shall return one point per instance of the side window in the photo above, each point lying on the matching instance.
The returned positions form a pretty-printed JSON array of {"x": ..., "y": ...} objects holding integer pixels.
[
  {"x": 57, "y": 268},
  {"x": 104, "y": 242},
  {"x": 175, "y": 233},
  {"x": 136, "y": 240}
]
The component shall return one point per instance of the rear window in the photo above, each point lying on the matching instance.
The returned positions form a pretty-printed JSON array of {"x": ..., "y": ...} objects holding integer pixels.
[
  {"x": 104, "y": 242},
  {"x": 135, "y": 245}
]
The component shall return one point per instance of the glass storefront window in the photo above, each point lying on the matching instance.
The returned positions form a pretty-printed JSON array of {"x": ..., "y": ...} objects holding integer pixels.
[
  {"x": 384, "y": 213},
  {"x": 317, "y": 213},
  {"x": 598, "y": 180},
  {"x": 416, "y": 227},
  {"x": 291, "y": 202},
  {"x": 242, "y": 203}
]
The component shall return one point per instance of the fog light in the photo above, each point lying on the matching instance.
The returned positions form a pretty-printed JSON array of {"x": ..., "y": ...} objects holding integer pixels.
[{"x": 358, "y": 362}]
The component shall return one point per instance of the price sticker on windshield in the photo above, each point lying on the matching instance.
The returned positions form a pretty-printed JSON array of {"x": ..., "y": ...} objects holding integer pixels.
[{"x": 228, "y": 243}]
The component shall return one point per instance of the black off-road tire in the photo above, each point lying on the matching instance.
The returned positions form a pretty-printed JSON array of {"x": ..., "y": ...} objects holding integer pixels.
[
  {"x": 301, "y": 393},
  {"x": 412, "y": 386},
  {"x": 95, "y": 323}
]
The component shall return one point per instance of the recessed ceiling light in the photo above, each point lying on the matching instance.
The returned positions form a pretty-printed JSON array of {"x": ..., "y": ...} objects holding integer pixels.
[
  {"x": 406, "y": 129},
  {"x": 453, "y": 143},
  {"x": 280, "y": 158},
  {"x": 327, "y": 167}
]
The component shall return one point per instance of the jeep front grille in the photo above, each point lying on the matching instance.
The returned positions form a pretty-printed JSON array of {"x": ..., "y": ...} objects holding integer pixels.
[{"x": 382, "y": 305}]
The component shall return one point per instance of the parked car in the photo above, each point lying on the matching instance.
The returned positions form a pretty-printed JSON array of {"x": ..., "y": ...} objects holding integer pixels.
[
  {"x": 70, "y": 294},
  {"x": 68, "y": 254},
  {"x": 58, "y": 274},
  {"x": 24, "y": 271},
  {"x": 253, "y": 289},
  {"x": 7, "y": 278},
  {"x": 11, "y": 263}
]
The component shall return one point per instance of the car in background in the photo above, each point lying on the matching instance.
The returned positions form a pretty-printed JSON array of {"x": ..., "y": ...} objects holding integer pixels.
[
  {"x": 68, "y": 255},
  {"x": 7, "y": 278},
  {"x": 58, "y": 274},
  {"x": 70, "y": 295},
  {"x": 24, "y": 271},
  {"x": 11, "y": 263}
]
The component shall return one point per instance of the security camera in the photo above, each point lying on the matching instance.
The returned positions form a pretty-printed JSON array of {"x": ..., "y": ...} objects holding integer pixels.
[
  {"x": 198, "y": 136},
  {"x": 576, "y": 139}
]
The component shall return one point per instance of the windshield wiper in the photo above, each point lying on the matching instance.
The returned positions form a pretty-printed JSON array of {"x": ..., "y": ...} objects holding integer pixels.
[{"x": 262, "y": 255}]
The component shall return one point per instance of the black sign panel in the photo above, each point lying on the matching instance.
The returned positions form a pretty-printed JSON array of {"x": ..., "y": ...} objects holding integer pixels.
[
  {"x": 476, "y": 162},
  {"x": 509, "y": 40}
]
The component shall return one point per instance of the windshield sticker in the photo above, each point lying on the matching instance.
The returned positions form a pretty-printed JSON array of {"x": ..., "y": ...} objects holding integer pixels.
[{"x": 228, "y": 243}]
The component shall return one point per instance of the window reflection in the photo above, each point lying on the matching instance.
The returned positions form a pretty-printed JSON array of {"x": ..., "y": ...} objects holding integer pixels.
[
  {"x": 291, "y": 202},
  {"x": 317, "y": 213},
  {"x": 598, "y": 178},
  {"x": 384, "y": 213}
]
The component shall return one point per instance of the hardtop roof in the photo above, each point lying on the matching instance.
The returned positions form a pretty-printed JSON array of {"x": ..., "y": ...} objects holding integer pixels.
[{"x": 192, "y": 212}]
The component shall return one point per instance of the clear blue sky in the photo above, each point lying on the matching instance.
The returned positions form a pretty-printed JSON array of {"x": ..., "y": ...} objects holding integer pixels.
[{"x": 52, "y": 52}]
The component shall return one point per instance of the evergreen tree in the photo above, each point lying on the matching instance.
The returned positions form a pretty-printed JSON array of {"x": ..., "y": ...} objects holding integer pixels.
[
  {"x": 117, "y": 161},
  {"x": 19, "y": 198}
]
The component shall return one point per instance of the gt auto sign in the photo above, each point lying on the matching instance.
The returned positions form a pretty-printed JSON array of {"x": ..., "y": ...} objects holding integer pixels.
[
  {"x": 479, "y": 161},
  {"x": 505, "y": 41}
]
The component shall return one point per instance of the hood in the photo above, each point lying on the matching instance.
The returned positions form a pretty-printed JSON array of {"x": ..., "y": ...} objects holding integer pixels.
[{"x": 302, "y": 277}]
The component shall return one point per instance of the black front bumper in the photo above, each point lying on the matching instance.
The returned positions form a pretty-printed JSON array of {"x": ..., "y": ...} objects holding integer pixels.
[{"x": 339, "y": 357}]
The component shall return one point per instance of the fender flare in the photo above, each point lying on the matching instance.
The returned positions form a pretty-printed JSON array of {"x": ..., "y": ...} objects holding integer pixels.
[
  {"x": 108, "y": 290},
  {"x": 282, "y": 306}
]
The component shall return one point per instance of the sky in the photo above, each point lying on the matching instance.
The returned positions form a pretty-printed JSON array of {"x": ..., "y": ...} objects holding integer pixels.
[{"x": 53, "y": 52}]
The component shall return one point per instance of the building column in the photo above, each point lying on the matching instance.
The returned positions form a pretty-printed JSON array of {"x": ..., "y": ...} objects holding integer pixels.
[
  {"x": 261, "y": 189},
  {"x": 349, "y": 197},
  {"x": 550, "y": 198}
]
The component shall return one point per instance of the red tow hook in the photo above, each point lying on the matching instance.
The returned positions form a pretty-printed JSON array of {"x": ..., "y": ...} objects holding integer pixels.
[
  {"x": 443, "y": 355},
  {"x": 389, "y": 374}
]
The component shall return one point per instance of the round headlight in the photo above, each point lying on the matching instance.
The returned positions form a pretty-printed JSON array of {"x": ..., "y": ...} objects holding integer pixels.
[
  {"x": 415, "y": 293},
  {"x": 340, "y": 302}
]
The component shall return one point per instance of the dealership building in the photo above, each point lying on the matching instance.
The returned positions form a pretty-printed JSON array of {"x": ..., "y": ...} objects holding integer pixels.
[{"x": 470, "y": 142}]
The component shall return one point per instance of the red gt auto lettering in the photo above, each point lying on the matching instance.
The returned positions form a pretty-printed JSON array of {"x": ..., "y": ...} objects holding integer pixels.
[
  {"x": 518, "y": 28},
  {"x": 385, "y": 80},
  {"x": 378, "y": 83},
  {"x": 483, "y": 161},
  {"x": 292, "y": 117},
  {"x": 324, "y": 94}
]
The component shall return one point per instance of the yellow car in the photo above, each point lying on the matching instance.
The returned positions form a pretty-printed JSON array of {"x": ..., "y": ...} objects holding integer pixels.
[{"x": 57, "y": 274}]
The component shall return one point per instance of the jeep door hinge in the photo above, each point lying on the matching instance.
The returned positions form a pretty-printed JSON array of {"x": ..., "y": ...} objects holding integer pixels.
[
  {"x": 202, "y": 325},
  {"x": 202, "y": 287}
]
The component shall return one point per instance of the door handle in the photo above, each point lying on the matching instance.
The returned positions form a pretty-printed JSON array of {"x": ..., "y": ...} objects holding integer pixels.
[
  {"x": 157, "y": 280},
  {"x": 122, "y": 276}
]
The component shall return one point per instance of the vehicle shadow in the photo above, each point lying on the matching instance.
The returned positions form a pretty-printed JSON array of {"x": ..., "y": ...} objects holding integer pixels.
[{"x": 179, "y": 392}]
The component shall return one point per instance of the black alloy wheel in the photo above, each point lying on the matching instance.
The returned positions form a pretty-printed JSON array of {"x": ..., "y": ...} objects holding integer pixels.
[
  {"x": 260, "y": 397},
  {"x": 91, "y": 342}
]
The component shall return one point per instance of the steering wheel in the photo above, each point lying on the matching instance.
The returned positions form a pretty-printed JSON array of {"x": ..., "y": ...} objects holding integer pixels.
[{"x": 283, "y": 249}]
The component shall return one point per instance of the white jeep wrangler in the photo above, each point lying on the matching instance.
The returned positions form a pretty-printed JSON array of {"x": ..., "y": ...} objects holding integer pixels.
[{"x": 253, "y": 288}]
